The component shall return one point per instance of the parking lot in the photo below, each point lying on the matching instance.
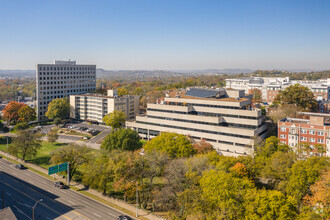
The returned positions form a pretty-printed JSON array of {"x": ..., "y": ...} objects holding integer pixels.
[{"x": 100, "y": 132}]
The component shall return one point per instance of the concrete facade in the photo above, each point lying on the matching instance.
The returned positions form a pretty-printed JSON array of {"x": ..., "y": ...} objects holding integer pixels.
[
  {"x": 61, "y": 79},
  {"x": 94, "y": 107},
  {"x": 312, "y": 131},
  {"x": 227, "y": 122}
]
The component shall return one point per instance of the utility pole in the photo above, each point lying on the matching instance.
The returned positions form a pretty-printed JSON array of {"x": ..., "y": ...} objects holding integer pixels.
[
  {"x": 40, "y": 200},
  {"x": 7, "y": 148},
  {"x": 68, "y": 174}
]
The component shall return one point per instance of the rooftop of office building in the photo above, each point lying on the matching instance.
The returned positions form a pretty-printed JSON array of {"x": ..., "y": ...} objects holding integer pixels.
[
  {"x": 221, "y": 94},
  {"x": 110, "y": 94}
]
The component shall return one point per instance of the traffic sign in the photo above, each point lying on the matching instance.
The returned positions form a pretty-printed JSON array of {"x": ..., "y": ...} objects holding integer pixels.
[
  {"x": 58, "y": 168},
  {"x": 52, "y": 170},
  {"x": 63, "y": 167}
]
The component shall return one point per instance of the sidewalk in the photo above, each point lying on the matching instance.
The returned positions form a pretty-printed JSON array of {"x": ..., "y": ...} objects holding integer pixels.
[{"x": 132, "y": 208}]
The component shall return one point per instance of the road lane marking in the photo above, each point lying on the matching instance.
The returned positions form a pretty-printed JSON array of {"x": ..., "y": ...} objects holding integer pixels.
[
  {"x": 80, "y": 214},
  {"x": 96, "y": 215},
  {"x": 20, "y": 211},
  {"x": 35, "y": 199},
  {"x": 109, "y": 213},
  {"x": 70, "y": 202},
  {"x": 24, "y": 204},
  {"x": 6, "y": 165},
  {"x": 42, "y": 181}
]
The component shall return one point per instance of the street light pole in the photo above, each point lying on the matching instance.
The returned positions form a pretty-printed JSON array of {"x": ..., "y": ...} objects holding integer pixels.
[
  {"x": 137, "y": 200},
  {"x": 7, "y": 148},
  {"x": 40, "y": 200}
]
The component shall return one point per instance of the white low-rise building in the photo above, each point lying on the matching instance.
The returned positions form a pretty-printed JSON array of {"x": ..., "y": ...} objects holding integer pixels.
[
  {"x": 270, "y": 86},
  {"x": 93, "y": 107}
]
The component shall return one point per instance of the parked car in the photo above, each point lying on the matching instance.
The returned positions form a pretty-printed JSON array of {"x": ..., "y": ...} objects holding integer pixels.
[
  {"x": 19, "y": 166},
  {"x": 59, "y": 185},
  {"x": 95, "y": 132}
]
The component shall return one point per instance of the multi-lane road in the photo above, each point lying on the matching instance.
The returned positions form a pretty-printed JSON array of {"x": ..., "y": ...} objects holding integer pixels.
[{"x": 21, "y": 189}]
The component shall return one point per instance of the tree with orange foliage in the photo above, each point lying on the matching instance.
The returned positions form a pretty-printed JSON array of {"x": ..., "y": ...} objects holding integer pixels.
[
  {"x": 10, "y": 112},
  {"x": 26, "y": 114},
  {"x": 202, "y": 147},
  {"x": 239, "y": 170},
  {"x": 320, "y": 195}
]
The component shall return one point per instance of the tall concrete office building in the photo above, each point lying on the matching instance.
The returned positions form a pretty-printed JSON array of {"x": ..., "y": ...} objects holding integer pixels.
[{"x": 61, "y": 79}]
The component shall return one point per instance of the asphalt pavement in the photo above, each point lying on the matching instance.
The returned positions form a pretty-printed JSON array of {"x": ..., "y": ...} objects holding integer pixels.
[{"x": 20, "y": 189}]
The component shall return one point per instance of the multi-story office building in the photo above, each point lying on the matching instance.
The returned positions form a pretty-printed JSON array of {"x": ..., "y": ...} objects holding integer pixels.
[
  {"x": 93, "y": 107},
  {"x": 222, "y": 117},
  {"x": 61, "y": 79},
  {"x": 270, "y": 86},
  {"x": 312, "y": 131}
]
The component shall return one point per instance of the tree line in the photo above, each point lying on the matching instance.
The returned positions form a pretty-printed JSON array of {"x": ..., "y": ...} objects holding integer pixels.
[{"x": 189, "y": 180}]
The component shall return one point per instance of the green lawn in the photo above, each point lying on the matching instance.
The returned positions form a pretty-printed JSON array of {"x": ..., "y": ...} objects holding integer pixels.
[{"x": 43, "y": 155}]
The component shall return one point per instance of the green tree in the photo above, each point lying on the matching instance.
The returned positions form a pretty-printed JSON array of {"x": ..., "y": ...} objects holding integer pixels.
[
  {"x": 302, "y": 175},
  {"x": 98, "y": 173},
  {"x": 123, "y": 139},
  {"x": 58, "y": 108},
  {"x": 52, "y": 136},
  {"x": 26, "y": 144},
  {"x": 221, "y": 196},
  {"x": 26, "y": 114},
  {"x": 21, "y": 126},
  {"x": 176, "y": 145},
  {"x": 115, "y": 119},
  {"x": 122, "y": 91},
  {"x": 57, "y": 121},
  {"x": 298, "y": 95},
  {"x": 272, "y": 144},
  {"x": 76, "y": 155},
  {"x": 268, "y": 204},
  {"x": 277, "y": 169}
]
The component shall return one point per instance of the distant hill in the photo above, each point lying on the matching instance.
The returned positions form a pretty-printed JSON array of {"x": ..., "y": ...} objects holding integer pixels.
[
  {"x": 18, "y": 73},
  {"x": 141, "y": 74}
]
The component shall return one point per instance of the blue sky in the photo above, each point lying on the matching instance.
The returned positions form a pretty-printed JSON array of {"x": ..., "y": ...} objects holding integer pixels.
[{"x": 166, "y": 34}]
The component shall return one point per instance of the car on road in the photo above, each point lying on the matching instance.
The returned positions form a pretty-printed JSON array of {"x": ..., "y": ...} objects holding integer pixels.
[
  {"x": 59, "y": 185},
  {"x": 124, "y": 217},
  {"x": 19, "y": 166},
  {"x": 86, "y": 138}
]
